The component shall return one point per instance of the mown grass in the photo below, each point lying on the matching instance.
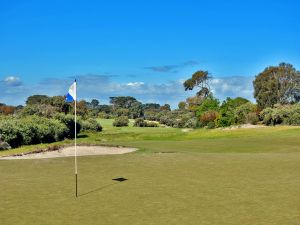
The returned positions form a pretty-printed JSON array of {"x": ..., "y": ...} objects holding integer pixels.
[{"x": 244, "y": 176}]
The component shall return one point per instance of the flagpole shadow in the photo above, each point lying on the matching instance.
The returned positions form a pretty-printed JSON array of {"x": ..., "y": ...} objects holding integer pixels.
[{"x": 119, "y": 180}]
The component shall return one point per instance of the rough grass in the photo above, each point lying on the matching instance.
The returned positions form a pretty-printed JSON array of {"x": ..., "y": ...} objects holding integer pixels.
[{"x": 247, "y": 176}]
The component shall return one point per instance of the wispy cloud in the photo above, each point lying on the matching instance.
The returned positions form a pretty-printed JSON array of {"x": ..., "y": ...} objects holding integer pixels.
[{"x": 171, "y": 68}]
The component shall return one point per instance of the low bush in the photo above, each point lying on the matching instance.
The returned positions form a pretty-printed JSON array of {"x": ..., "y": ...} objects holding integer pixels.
[
  {"x": 246, "y": 113},
  {"x": 121, "y": 121},
  {"x": 281, "y": 114},
  {"x": 152, "y": 124},
  {"x": 91, "y": 125},
  {"x": 191, "y": 123},
  {"x": 208, "y": 117},
  {"x": 31, "y": 130},
  {"x": 211, "y": 125},
  {"x": 139, "y": 122},
  {"x": 252, "y": 118},
  {"x": 69, "y": 121}
]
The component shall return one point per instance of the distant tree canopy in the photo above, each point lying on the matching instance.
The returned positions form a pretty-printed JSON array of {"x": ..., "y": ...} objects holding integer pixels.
[
  {"x": 199, "y": 79},
  {"x": 51, "y": 104},
  {"x": 182, "y": 105},
  {"x": 122, "y": 101},
  {"x": 151, "y": 106},
  {"x": 37, "y": 99},
  {"x": 277, "y": 84}
]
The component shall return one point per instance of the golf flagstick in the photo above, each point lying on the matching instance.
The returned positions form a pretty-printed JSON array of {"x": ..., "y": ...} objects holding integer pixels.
[
  {"x": 75, "y": 155},
  {"x": 72, "y": 97}
]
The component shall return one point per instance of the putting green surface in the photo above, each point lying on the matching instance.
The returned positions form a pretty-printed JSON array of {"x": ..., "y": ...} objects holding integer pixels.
[{"x": 200, "y": 177}]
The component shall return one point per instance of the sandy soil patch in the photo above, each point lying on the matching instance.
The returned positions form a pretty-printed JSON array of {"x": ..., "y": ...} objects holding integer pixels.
[{"x": 69, "y": 151}]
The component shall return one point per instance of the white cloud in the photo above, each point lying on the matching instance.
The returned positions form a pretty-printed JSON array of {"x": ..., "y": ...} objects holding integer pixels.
[
  {"x": 235, "y": 86},
  {"x": 135, "y": 84},
  {"x": 12, "y": 81}
]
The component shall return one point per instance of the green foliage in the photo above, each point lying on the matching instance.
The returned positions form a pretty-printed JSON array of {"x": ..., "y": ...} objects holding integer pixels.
[
  {"x": 209, "y": 104},
  {"x": 165, "y": 107},
  {"x": 151, "y": 106},
  {"x": 91, "y": 125},
  {"x": 152, "y": 124},
  {"x": 69, "y": 121},
  {"x": 122, "y": 112},
  {"x": 139, "y": 122},
  {"x": 246, "y": 113},
  {"x": 191, "y": 123},
  {"x": 31, "y": 130},
  {"x": 192, "y": 103},
  {"x": 277, "y": 84},
  {"x": 252, "y": 118},
  {"x": 42, "y": 110},
  {"x": 211, "y": 125},
  {"x": 281, "y": 114},
  {"x": 122, "y": 101},
  {"x": 37, "y": 99},
  {"x": 226, "y": 115},
  {"x": 121, "y": 121}
]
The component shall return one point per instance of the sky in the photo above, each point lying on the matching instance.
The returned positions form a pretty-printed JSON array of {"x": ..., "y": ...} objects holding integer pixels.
[{"x": 144, "y": 49}]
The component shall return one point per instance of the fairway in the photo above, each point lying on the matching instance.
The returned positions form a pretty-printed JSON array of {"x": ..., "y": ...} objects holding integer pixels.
[{"x": 244, "y": 176}]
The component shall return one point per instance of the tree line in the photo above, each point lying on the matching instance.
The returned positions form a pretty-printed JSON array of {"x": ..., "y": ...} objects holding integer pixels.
[{"x": 276, "y": 90}]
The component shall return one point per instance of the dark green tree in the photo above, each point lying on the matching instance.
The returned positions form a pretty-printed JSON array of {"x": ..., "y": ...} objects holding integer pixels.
[
  {"x": 277, "y": 84},
  {"x": 227, "y": 111},
  {"x": 37, "y": 99},
  {"x": 94, "y": 103},
  {"x": 166, "y": 107},
  {"x": 122, "y": 101}
]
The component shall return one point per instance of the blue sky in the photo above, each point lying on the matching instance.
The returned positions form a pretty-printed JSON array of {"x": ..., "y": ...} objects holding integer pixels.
[{"x": 141, "y": 48}]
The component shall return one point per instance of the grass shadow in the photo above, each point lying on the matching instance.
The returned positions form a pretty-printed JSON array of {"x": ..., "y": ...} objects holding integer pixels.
[
  {"x": 119, "y": 180},
  {"x": 82, "y": 136}
]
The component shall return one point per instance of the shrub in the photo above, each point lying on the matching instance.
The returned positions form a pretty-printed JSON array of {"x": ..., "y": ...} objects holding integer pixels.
[
  {"x": 227, "y": 111},
  {"x": 211, "y": 125},
  {"x": 69, "y": 121},
  {"x": 281, "y": 114},
  {"x": 209, "y": 104},
  {"x": 152, "y": 124},
  {"x": 9, "y": 130},
  {"x": 31, "y": 130},
  {"x": 191, "y": 123},
  {"x": 242, "y": 113},
  {"x": 209, "y": 116},
  {"x": 91, "y": 125},
  {"x": 139, "y": 122},
  {"x": 252, "y": 118},
  {"x": 225, "y": 119},
  {"x": 121, "y": 121}
]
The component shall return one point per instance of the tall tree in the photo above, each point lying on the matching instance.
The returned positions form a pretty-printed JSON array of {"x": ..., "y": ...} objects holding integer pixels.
[
  {"x": 277, "y": 84},
  {"x": 94, "y": 103},
  {"x": 199, "y": 79}
]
